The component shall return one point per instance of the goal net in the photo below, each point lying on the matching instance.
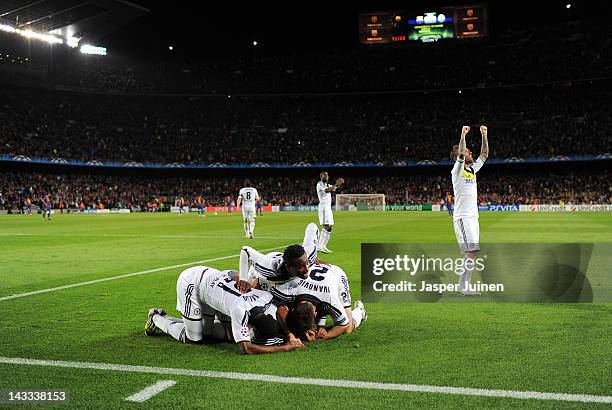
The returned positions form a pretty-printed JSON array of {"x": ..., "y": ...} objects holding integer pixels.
[{"x": 360, "y": 202}]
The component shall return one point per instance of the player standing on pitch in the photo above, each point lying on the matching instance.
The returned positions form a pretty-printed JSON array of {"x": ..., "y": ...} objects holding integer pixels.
[
  {"x": 465, "y": 218},
  {"x": 326, "y": 218},
  {"x": 247, "y": 198}
]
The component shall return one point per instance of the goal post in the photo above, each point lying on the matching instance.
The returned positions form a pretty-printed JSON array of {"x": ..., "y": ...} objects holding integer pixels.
[{"x": 360, "y": 202}]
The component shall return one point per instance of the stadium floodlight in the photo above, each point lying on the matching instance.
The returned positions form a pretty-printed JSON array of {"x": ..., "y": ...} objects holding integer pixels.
[
  {"x": 89, "y": 49},
  {"x": 568, "y": 5},
  {"x": 72, "y": 41},
  {"x": 39, "y": 36},
  {"x": 170, "y": 48},
  {"x": 31, "y": 34},
  {"x": 7, "y": 28},
  {"x": 255, "y": 43}
]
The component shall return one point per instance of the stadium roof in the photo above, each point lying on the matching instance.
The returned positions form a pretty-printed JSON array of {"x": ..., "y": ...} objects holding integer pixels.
[{"x": 82, "y": 18}]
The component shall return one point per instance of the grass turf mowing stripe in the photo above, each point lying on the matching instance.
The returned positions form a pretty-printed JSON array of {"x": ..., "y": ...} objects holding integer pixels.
[
  {"x": 352, "y": 384},
  {"x": 118, "y": 235},
  {"x": 150, "y": 391},
  {"x": 127, "y": 275}
]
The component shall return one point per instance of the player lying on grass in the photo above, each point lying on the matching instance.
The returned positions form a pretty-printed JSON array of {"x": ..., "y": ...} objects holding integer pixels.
[
  {"x": 277, "y": 267},
  {"x": 203, "y": 292},
  {"x": 465, "y": 218},
  {"x": 305, "y": 304}
]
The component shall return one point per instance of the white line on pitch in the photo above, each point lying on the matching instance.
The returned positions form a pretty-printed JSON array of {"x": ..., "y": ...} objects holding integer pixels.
[
  {"x": 119, "y": 235},
  {"x": 351, "y": 384},
  {"x": 127, "y": 275},
  {"x": 150, "y": 391}
]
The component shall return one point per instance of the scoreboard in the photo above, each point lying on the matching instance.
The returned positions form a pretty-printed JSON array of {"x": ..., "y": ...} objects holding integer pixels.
[{"x": 425, "y": 26}]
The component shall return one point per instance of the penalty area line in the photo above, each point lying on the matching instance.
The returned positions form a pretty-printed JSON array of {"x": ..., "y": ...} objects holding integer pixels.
[
  {"x": 126, "y": 275},
  {"x": 351, "y": 384},
  {"x": 150, "y": 391}
]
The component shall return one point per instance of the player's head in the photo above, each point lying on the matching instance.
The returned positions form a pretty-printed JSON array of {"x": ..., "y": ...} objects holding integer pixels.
[
  {"x": 247, "y": 183},
  {"x": 301, "y": 320},
  {"x": 296, "y": 260},
  {"x": 467, "y": 154},
  {"x": 265, "y": 327},
  {"x": 324, "y": 176}
]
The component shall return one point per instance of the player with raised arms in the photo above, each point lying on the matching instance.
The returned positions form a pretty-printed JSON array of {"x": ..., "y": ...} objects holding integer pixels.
[
  {"x": 203, "y": 292},
  {"x": 326, "y": 218},
  {"x": 465, "y": 217},
  {"x": 247, "y": 198}
]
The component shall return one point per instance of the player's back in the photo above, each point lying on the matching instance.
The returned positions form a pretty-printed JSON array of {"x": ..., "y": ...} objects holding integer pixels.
[
  {"x": 249, "y": 195},
  {"x": 320, "y": 283},
  {"x": 219, "y": 291}
]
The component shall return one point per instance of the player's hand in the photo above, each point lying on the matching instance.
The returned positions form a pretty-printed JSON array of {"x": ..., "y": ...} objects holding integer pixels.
[
  {"x": 311, "y": 335},
  {"x": 321, "y": 333},
  {"x": 243, "y": 286},
  {"x": 292, "y": 345},
  {"x": 483, "y": 130},
  {"x": 292, "y": 338},
  {"x": 464, "y": 130}
]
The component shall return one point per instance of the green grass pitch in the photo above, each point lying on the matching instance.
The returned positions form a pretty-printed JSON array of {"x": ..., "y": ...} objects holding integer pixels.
[{"x": 531, "y": 347}]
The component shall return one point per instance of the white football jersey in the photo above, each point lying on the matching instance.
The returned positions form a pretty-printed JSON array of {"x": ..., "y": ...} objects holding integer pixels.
[
  {"x": 464, "y": 188},
  {"x": 219, "y": 291},
  {"x": 267, "y": 267},
  {"x": 321, "y": 287},
  {"x": 249, "y": 195},
  {"x": 325, "y": 198}
]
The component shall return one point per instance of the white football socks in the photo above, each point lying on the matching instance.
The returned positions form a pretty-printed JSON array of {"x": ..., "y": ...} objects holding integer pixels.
[
  {"x": 466, "y": 277},
  {"x": 325, "y": 235},
  {"x": 171, "y": 325},
  {"x": 357, "y": 317}
]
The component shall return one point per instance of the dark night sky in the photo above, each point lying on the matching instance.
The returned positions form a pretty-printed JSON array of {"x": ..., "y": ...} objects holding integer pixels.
[{"x": 229, "y": 28}]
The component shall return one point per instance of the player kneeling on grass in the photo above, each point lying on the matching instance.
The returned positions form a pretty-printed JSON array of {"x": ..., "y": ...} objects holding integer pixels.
[
  {"x": 203, "y": 292},
  {"x": 277, "y": 267},
  {"x": 307, "y": 303}
]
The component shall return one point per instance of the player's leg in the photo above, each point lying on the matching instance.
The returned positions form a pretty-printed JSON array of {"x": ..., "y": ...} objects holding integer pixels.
[
  {"x": 357, "y": 314},
  {"x": 327, "y": 229},
  {"x": 468, "y": 235},
  {"x": 327, "y": 220},
  {"x": 311, "y": 242},
  {"x": 251, "y": 214}
]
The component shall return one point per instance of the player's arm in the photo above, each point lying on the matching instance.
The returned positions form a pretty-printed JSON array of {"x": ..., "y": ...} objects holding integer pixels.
[
  {"x": 461, "y": 157},
  {"x": 462, "y": 144},
  {"x": 240, "y": 331},
  {"x": 281, "y": 316},
  {"x": 239, "y": 201},
  {"x": 242, "y": 285},
  {"x": 338, "y": 184},
  {"x": 342, "y": 323},
  {"x": 484, "y": 150},
  {"x": 250, "y": 348}
]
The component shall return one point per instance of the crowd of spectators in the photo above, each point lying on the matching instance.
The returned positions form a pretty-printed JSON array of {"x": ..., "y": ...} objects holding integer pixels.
[
  {"x": 523, "y": 122},
  {"x": 141, "y": 192}
]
